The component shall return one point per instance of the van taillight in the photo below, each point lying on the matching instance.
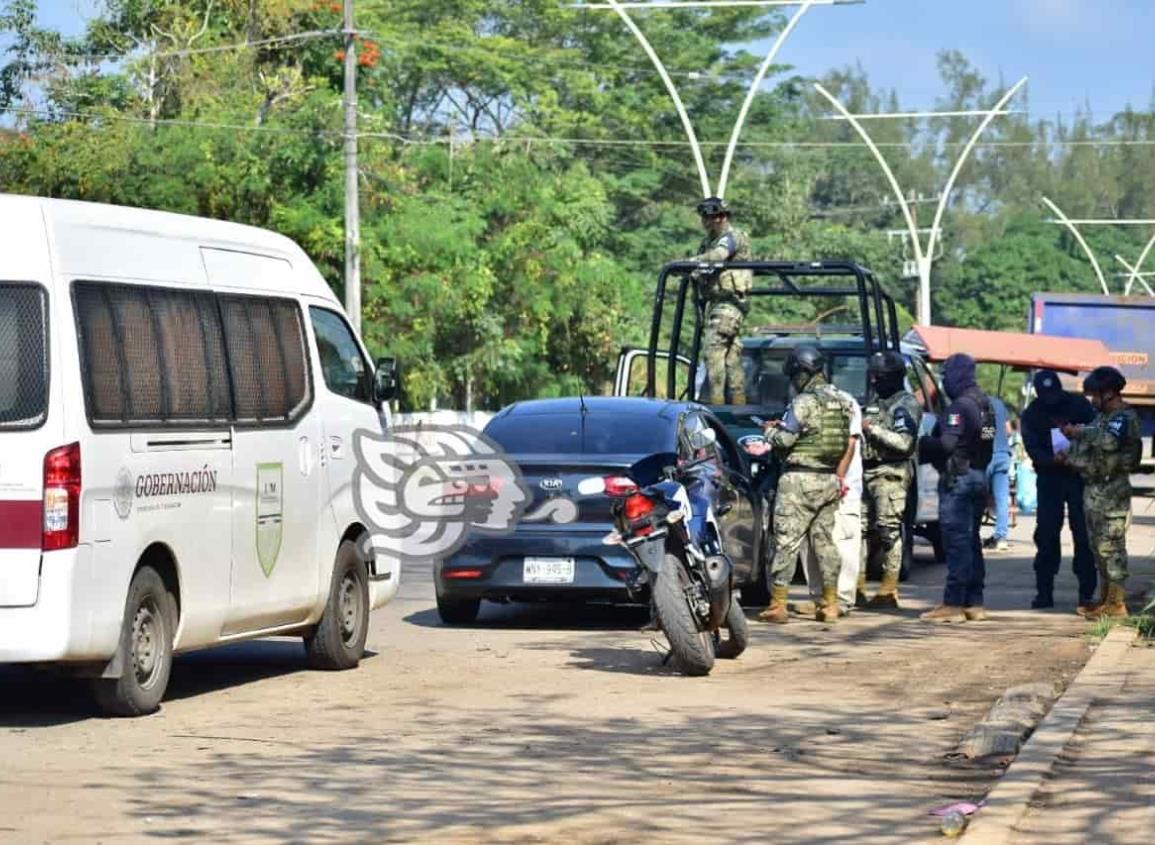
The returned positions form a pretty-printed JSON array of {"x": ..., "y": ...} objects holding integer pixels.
[{"x": 61, "y": 498}]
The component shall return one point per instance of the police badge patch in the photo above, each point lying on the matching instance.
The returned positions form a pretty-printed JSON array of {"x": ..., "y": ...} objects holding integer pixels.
[{"x": 1117, "y": 427}]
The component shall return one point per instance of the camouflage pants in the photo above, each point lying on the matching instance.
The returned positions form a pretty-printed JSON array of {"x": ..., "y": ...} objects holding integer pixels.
[
  {"x": 1108, "y": 510},
  {"x": 884, "y": 494},
  {"x": 804, "y": 508},
  {"x": 723, "y": 350}
]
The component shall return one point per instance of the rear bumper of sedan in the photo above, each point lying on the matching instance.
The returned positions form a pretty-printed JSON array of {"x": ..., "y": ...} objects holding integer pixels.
[{"x": 494, "y": 568}]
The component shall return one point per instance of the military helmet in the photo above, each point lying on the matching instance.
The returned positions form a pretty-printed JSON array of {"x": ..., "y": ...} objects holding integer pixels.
[
  {"x": 804, "y": 359},
  {"x": 886, "y": 363},
  {"x": 1103, "y": 380},
  {"x": 713, "y": 206}
]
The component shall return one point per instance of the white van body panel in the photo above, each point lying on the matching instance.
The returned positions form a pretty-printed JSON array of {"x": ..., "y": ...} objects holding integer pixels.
[{"x": 191, "y": 494}]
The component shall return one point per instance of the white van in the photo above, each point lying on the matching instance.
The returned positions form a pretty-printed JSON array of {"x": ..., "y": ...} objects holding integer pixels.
[{"x": 178, "y": 398}]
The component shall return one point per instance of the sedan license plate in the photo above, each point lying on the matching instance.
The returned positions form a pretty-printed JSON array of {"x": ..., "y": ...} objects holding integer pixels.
[{"x": 548, "y": 570}]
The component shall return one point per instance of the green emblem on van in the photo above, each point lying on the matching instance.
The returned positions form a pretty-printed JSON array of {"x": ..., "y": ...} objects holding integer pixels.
[{"x": 270, "y": 507}]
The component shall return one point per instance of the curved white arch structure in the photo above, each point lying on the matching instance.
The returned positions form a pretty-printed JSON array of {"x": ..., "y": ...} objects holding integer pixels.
[
  {"x": 1074, "y": 230},
  {"x": 924, "y": 259},
  {"x": 1135, "y": 271},
  {"x": 673, "y": 91},
  {"x": 741, "y": 121},
  {"x": 1135, "y": 274}
]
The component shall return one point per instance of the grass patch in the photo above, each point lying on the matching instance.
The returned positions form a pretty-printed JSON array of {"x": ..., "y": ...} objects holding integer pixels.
[{"x": 1143, "y": 622}]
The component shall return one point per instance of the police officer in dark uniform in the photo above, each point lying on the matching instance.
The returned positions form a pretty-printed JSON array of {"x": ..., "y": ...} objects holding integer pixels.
[
  {"x": 1059, "y": 485},
  {"x": 960, "y": 448}
]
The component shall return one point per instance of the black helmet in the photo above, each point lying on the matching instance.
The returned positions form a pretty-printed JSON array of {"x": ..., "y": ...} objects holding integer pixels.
[
  {"x": 804, "y": 359},
  {"x": 886, "y": 363},
  {"x": 1104, "y": 380},
  {"x": 713, "y": 206}
]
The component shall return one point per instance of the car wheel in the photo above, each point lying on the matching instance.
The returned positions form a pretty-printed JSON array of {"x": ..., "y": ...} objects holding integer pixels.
[
  {"x": 757, "y": 592},
  {"x": 145, "y": 649},
  {"x": 458, "y": 611},
  {"x": 338, "y": 642}
]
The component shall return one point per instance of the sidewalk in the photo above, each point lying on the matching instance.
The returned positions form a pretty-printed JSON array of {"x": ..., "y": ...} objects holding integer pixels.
[
  {"x": 1088, "y": 773},
  {"x": 1102, "y": 789}
]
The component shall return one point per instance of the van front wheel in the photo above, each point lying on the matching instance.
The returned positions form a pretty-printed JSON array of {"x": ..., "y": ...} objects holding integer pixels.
[
  {"x": 145, "y": 649},
  {"x": 339, "y": 639}
]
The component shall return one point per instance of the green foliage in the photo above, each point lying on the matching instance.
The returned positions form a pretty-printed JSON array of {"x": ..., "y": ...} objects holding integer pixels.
[{"x": 516, "y": 202}]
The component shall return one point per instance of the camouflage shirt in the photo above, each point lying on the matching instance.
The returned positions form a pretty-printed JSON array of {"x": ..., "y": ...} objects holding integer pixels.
[
  {"x": 816, "y": 429},
  {"x": 893, "y": 432},
  {"x": 1107, "y": 451},
  {"x": 729, "y": 285}
]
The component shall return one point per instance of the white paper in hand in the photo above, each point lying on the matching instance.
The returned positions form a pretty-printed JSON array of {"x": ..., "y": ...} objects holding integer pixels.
[{"x": 1059, "y": 441}]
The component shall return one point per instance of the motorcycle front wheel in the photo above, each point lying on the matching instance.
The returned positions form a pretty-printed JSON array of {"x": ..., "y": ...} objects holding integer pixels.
[{"x": 692, "y": 649}]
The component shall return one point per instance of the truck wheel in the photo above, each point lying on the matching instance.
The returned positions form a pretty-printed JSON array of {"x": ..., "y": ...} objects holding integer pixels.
[
  {"x": 339, "y": 639},
  {"x": 907, "y": 552},
  {"x": 692, "y": 649},
  {"x": 145, "y": 649},
  {"x": 933, "y": 532},
  {"x": 739, "y": 632}
]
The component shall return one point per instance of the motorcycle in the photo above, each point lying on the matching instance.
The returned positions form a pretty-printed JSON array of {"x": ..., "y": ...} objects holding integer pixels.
[{"x": 664, "y": 515}]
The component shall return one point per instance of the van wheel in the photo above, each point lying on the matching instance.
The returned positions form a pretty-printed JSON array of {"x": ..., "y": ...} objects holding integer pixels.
[
  {"x": 339, "y": 639},
  {"x": 145, "y": 649}
]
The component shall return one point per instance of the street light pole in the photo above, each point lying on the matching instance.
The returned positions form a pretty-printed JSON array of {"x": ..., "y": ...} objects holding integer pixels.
[
  {"x": 352, "y": 198},
  {"x": 924, "y": 260}
]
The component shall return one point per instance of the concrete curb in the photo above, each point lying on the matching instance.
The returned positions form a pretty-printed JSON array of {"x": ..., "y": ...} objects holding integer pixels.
[{"x": 1007, "y": 803}]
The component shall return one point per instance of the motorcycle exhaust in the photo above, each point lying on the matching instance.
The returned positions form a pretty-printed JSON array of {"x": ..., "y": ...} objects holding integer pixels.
[{"x": 719, "y": 572}]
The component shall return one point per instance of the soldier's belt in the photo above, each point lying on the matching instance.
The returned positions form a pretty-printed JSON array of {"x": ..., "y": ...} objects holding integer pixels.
[
  {"x": 810, "y": 470},
  {"x": 875, "y": 464}
]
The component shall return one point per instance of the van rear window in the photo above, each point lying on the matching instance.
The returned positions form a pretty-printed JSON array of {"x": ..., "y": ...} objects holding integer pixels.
[
  {"x": 23, "y": 356},
  {"x": 151, "y": 355}
]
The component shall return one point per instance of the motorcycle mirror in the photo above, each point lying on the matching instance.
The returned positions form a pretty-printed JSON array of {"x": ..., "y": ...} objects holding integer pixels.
[
  {"x": 703, "y": 439},
  {"x": 591, "y": 486}
]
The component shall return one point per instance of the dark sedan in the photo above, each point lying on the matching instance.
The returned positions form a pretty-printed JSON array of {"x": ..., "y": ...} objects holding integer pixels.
[{"x": 558, "y": 442}]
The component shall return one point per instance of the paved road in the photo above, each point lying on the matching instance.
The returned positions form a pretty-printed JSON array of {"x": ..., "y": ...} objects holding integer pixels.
[{"x": 542, "y": 724}]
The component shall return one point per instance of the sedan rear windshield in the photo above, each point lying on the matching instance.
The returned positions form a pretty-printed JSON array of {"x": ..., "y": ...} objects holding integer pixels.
[
  {"x": 567, "y": 434},
  {"x": 23, "y": 355}
]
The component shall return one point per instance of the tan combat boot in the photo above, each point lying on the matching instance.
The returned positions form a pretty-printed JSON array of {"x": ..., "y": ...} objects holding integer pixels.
[
  {"x": 944, "y": 613},
  {"x": 1092, "y": 610},
  {"x": 776, "y": 612},
  {"x": 830, "y": 611},
  {"x": 860, "y": 599},
  {"x": 975, "y": 613},
  {"x": 887, "y": 596},
  {"x": 1115, "y": 607}
]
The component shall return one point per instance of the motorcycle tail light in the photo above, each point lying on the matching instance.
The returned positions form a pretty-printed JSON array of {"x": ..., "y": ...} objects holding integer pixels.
[
  {"x": 619, "y": 487},
  {"x": 639, "y": 506}
]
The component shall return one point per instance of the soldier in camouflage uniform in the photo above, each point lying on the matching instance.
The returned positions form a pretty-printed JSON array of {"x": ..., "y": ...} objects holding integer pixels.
[
  {"x": 890, "y": 436},
  {"x": 1106, "y": 452},
  {"x": 812, "y": 442},
  {"x": 726, "y": 302}
]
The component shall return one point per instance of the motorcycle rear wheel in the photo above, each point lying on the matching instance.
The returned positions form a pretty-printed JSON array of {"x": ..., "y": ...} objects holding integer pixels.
[
  {"x": 738, "y": 636},
  {"x": 692, "y": 649}
]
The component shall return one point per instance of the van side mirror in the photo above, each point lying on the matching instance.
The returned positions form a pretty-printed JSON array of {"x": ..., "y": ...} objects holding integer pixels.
[{"x": 386, "y": 380}]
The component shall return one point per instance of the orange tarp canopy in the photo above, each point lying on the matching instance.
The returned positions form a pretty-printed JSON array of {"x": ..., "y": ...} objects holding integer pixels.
[{"x": 1015, "y": 349}]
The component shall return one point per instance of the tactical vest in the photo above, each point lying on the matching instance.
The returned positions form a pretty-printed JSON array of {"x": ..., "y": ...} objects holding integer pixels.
[
  {"x": 880, "y": 412},
  {"x": 822, "y": 444},
  {"x": 976, "y": 452},
  {"x": 730, "y": 285}
]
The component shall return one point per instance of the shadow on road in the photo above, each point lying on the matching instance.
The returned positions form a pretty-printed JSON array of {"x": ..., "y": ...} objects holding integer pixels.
[
  {"x": 551, "y": 616},
  {"x": 39, "y": 697}
]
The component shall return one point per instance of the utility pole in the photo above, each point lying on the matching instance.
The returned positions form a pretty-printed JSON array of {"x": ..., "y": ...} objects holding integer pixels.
[{"x": 352, "y": 198}]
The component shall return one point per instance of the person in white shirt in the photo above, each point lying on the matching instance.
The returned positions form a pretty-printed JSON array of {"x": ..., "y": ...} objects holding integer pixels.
[{"x": 847, "y": 525}]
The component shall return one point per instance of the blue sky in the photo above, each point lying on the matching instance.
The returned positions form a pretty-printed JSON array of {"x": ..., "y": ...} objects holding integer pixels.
[{"x": 1075, "y": 51}]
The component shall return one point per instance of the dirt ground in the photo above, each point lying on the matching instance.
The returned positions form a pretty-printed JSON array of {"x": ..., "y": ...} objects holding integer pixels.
[{"x": 543, "y": 724}]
